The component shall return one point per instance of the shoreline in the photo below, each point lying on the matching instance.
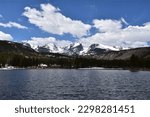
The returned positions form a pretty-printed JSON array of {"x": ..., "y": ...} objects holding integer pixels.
[{"x": 86, "y": 68}]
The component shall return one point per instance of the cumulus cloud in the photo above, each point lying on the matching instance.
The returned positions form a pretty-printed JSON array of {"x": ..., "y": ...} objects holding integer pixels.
[
  {"x": 4, "y": 36},
  {"x": 111, "y": 33},
  {"x": 39, "y": 41},
  {"x": 50, "y": 19},
  {"x": 13, "y": 24},
  {"x": 107, "y": 25}
]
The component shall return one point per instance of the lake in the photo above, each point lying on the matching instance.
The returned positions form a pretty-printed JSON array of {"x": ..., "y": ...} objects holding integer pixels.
[{"x": 71, "y": 84}]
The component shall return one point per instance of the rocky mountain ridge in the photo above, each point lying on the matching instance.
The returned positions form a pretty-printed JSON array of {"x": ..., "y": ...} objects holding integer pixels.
[
  {"x": 97, "y": 51},
  {"x": 75, "y": 49}
]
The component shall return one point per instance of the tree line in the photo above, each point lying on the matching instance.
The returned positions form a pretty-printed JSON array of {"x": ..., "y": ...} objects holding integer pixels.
[{"x": 20, "y": 60}]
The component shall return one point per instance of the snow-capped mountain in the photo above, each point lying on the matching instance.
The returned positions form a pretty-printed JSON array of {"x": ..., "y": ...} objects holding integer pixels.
[
  {"x": 26, "y": 44},
  {"x": 75, "y": 48},
  {"x": 48, "y": 48}
]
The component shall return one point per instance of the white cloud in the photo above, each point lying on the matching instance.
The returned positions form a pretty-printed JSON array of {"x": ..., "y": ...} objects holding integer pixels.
[
  {"x": 107, "y": 25},
  {"x": 51, "y": 20},
  {"x": 112, "y": 33},
  {"x": 39, "y": 41},
  {"x": 130, "y": 36},
  {"x": 13, "y": 24},
  {"x": 4, "y": 36}
]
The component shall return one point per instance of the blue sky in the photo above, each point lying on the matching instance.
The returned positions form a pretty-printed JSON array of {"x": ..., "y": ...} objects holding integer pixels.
[{"x": 93, "y": 15}]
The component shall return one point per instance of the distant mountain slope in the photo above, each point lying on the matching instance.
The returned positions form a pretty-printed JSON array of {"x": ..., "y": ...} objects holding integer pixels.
[
  {"x": 97, "y": 51},
  {"x": 14, "y": 47},
  {"x": 143, "y": 53},
  {"x": 26, "y": 50},
  {"x": 22, "y": 55},
  {"x": 74, "y": 56}
]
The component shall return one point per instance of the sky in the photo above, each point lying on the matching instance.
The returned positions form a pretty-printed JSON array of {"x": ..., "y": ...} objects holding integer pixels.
[{"x": 110, "y": 22}]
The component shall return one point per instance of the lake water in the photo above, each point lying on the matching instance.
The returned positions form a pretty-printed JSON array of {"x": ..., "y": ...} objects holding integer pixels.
[{"x": 74, "y": 84}]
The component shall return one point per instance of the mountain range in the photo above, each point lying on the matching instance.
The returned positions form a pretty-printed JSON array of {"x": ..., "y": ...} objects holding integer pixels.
[
  {"x": 73, "y": 56},
  {"x": 75, "y": 49},
  {"x": 98, "y": 51}
]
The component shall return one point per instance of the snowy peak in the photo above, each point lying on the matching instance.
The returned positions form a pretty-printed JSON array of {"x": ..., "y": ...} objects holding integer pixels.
[
  {"x": 74, "y": 45},
  {"x": 93, "y": 46},
  {"x": 75, "y": 49},
  {"x": 101, "y": 46},
  {"x": 26, "y": 44},
  {"x": 95, "y": 49},
  {"x": 52, "y": 48}
]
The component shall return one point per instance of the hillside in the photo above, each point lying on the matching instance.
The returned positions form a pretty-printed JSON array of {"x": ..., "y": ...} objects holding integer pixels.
[
  {"x": 14, "y": 47},
  {"x": 22, "y": 55},
  {"x": 142, "y": 53}
]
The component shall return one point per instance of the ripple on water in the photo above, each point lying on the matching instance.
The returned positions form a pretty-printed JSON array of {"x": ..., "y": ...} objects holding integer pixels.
[{"x": 74, "y": 84}]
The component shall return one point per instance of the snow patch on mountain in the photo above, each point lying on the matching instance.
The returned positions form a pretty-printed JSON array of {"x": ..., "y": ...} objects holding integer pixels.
[{"x": 75, "y": 48}]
